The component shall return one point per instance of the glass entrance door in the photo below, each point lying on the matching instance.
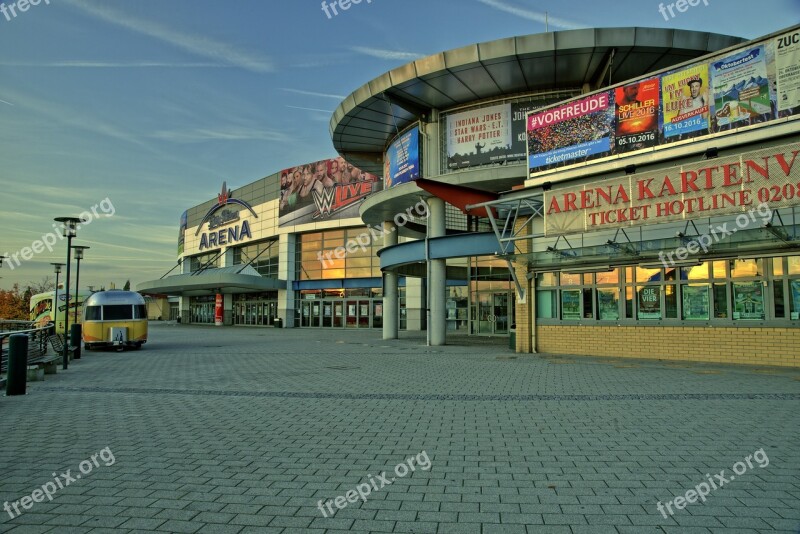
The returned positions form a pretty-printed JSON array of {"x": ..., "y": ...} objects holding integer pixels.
[
  {"x": 327, "y": 313},
  {"x": 495, "y": 313}
]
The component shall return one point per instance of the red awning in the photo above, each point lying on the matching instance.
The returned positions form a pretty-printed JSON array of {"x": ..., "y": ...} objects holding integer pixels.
[{"x": 459, "y": 196}]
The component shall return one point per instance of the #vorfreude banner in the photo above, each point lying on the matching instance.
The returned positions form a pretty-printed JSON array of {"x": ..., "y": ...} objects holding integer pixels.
[
  {"x": 787, "y": 63},
  {"x": 478, "y": 137},
  {"x": 741, "y": 90},
  {"x": 636, "y": 112},
  {"x": 685, "y": 103},
  {"x": 575, "y": 132}
]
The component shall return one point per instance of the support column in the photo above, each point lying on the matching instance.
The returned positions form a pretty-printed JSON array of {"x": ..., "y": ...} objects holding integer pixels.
[
  {"x": 286, "y": 271},
  {"x": 391, "y": 302},
  {"x": 437, "y": 281}
]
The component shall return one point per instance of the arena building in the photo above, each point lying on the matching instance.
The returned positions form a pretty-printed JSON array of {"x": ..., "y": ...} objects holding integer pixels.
[{"x": 589, "y": 187}]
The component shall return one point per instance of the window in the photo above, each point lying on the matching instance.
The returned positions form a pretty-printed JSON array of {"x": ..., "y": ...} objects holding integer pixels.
[
  {"x": 118, "y": 312},
  {"x": 263, "y": 257},
  {"x": 729, "y": 291},
  {"x": 93, "y": 313},
  {"x": 140, "y": 311},
  {"x": 338, "y": 254}
]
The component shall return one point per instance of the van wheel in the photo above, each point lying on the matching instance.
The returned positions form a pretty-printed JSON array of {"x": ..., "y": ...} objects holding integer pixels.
[{"x": 138, "y": 346}]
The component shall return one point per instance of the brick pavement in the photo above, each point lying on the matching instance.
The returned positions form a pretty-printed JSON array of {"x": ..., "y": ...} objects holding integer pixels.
[{"x": 245, "y": 430}]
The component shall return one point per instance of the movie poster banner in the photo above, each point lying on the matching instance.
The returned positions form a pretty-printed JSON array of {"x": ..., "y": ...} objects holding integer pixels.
[
  {"x": 636, "y": 111},
  {"x": 575, "y": 132},
  {"x": 787, "y": 60},
  {"x": 794, "y": 287},
  {"x": 741, "y": 90},
  {"x": 748, "y": 300},
  {"x": 649, "y": 300},
  {"x": 325, "y": 190},
  {"x": 479, "y": 136},
  {"x": 685, "y": 103},
  {"x": 401, "y": 163}
]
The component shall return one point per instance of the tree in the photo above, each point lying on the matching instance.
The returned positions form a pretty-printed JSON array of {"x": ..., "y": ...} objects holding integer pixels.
[
  {"x": 127, "y": 286},
  {"x": 13, "y": 304}
]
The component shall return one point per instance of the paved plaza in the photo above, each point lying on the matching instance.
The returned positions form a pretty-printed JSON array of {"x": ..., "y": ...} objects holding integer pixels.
[{"x": 234, "y": 430}]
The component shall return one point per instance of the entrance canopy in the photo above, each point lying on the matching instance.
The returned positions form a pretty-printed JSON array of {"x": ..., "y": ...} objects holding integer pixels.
[{"x": 234, "y": 279}]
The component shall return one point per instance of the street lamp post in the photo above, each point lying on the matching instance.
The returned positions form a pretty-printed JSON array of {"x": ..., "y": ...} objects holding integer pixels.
[
  {"x": 70, "y": 230},
  {"x": 56, "y": 269},
  {"x": 78, "y": 257}
]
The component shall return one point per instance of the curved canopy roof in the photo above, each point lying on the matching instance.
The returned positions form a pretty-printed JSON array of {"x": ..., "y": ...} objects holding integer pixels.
[{"x": 367, "y": 119}]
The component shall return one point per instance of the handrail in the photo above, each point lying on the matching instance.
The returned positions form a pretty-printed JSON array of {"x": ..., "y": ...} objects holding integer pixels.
[{"x": 37, "y": 345}]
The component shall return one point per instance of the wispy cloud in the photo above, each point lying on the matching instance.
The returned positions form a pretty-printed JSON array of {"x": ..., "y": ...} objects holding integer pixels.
[
  {"x": 536, "y": 16},
  {"x": 386, "y": 54},
  {"x": 195, "y": 44},
  {"x": 78, "y": 64},
  {"x": 4, "y": 102},
  {"x": 312, "y": 93},
  {"x": 220, "y": 134},
  {"x": 328, "y": 111}
]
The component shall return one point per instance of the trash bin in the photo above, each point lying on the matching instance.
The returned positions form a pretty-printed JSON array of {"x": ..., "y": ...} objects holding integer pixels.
[
  {"x": 512, "y": 337},
  {"x": 278, "y": 323}
]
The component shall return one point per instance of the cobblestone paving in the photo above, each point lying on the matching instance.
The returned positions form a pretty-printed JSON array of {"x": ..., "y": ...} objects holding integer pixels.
[{"x": 246, "y": 430}]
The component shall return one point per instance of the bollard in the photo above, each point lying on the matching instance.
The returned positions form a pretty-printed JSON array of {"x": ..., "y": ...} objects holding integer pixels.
[
  {"x": 75, "y": 339},
  {"x": 17, "y": 365}
]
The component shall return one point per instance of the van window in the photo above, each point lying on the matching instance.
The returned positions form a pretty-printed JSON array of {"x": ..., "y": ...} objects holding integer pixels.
[
  {"x": 93, "y": 313},
  {"x": 118, "y": 312},
  {"x": 139, "y": 311}
]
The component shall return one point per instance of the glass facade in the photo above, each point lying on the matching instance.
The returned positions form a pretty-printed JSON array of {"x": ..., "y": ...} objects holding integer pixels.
[
  {"x": 733, "y": 291},
  {"x": 264, "y": 257},
  {"x": 339, "y": 254},
  {"x": 207, "y": 261}
]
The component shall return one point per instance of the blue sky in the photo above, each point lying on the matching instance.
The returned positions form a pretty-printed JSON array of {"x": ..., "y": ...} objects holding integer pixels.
[{"x": 153, "y": 103}]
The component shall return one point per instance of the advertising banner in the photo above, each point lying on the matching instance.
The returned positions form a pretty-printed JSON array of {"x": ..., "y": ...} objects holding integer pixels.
[
  {"x": 571, "y": 305},
  {"x": 741, "y": 90},
  {"x": 636, "y": 112},
  {"x": 649, "y": 302},
  {"x": 685, "y": 103},
  {"x": 608, "y": 304},
  {"x": 787, "y": 63},
  {"x": 575, "y": 132},
  {"x": 325, "y": 190},
  {"x": 724, "y": 186},
  {"x": 794, "y": 287},
  {"x": 182, "y": 231},
  {"x": 479, "y": 136},
  {"x": 695, "y": 302},
  {"x": 401, "y": 163},
  {"x": 218, "y": 309},
  {"x": 748, "y": 300}
]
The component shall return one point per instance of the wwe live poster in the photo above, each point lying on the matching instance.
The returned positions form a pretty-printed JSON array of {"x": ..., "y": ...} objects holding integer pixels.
[{"x": 325, "y": 190}]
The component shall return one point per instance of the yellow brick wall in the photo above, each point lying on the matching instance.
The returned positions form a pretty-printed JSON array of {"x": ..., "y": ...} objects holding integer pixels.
[{"x": 750, "y": 346}]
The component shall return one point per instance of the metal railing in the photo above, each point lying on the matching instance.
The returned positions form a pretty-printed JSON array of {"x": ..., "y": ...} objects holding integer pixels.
[{"x": 37, "y": 339}]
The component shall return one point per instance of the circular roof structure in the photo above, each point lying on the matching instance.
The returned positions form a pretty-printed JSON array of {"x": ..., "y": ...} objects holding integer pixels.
[{"x": 364, "y": 123}]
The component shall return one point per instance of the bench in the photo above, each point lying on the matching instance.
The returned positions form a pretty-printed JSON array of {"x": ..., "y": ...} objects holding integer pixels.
[{"x": 57, "y": 342}]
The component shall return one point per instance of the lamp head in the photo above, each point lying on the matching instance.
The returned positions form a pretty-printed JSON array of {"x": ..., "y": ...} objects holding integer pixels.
[
  {"x": 79, "y": 251},
  {"x": 70, "y": 225}
]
